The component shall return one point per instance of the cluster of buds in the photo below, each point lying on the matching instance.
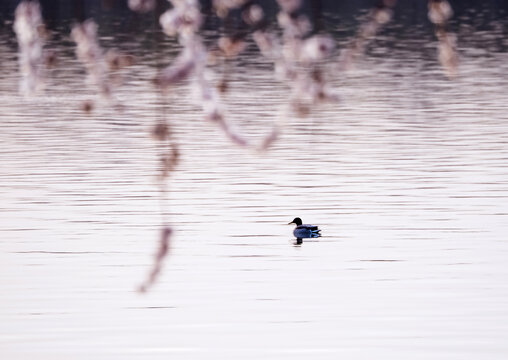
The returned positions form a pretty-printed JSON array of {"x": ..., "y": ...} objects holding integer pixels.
[
  {"x": 289, "y": 6},
  {"x": 223, "y": 7},
  {"x": 440, "y": 11},
  {"x": 169, "y": 158},
  {"x": 30, "y": 32},
  {"x": 298, "y": 58},
  {"x": 184, "y": 20},
  {"x": 232, "y": 42},
  {"x": 252, "y": 13},
  {"x": 142, "y": 6},
  {"x": 231, "y": 47}
]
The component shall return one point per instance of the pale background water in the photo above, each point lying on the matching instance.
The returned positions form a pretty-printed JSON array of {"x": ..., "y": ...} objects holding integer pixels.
[{"x": 407, "y": 176}]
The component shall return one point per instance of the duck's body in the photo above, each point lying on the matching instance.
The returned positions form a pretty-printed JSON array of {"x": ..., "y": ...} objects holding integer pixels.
[{"x": 304, "y": 230}]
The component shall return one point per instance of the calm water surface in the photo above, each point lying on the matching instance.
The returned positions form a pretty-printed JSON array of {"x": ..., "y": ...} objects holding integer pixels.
[{"x": 407, "y": 176}]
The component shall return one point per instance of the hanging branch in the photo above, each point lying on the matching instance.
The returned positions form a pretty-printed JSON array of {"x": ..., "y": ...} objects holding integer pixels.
[
  {"x": 99, "y": 66},
  {"x": 168, "y": 161},
  {"x": 227, "y": 46},
  {"x": 30, "y": 32},
  {"x": 440, "y": 11},
  {"x": 90, "y": 54},
  {"x": 159, "y": 259},
  {"x": 169, "y": 157},
  {"x": 233, "y": 41},
  {"x": 184, "y": 20},
  {"x": 298, "y": 61},
  {"x": 376, "y": 18}
]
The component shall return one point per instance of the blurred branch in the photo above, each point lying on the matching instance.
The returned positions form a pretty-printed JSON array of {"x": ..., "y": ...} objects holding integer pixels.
[
  {"x": 440, "y": 11},
  {"x": 376, "y": 18}
]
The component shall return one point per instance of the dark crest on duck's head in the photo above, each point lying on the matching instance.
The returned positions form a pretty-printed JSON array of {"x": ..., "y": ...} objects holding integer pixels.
[{"x": 296, "y": 221}]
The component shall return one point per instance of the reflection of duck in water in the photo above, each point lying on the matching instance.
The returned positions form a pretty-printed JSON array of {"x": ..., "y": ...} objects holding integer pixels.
[{"x": 304, "y": 231}]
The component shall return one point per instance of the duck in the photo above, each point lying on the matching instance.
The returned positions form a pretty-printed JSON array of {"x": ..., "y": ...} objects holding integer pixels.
[{"x": 304, "y": 230}]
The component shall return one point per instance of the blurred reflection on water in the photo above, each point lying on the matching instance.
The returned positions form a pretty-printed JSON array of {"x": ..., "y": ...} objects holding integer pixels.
[{"x": 407, "y": 176}]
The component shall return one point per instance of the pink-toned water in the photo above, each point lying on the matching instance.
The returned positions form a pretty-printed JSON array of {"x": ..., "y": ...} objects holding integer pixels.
[{"x": 407, "y": 176}]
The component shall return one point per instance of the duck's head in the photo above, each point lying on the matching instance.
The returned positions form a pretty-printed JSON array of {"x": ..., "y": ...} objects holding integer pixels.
[{"x": 297, "y": 221}]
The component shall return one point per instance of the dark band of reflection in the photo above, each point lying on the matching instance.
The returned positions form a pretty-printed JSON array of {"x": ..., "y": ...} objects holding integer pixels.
[{"x": 299, "y": 241}]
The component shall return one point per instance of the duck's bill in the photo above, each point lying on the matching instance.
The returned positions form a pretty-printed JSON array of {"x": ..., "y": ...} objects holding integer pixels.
[{"x": 292, "y": 222}]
